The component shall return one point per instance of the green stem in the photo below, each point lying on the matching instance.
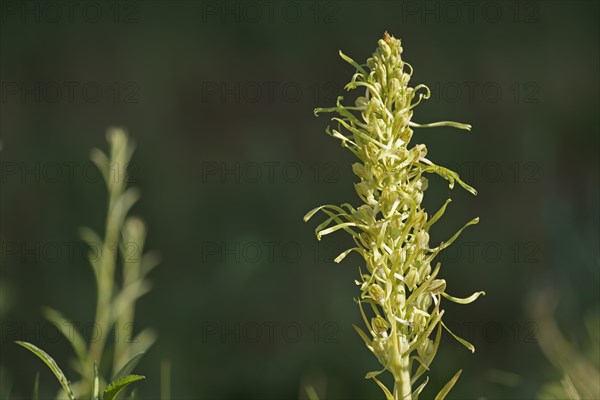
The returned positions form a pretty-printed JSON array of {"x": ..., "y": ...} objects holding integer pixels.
[
  {"x": 401, "y": 364},
  {"x": 124, "y": 327},
  {"x": 402, "y": 386},
  {"x": 105, "y": 288}
]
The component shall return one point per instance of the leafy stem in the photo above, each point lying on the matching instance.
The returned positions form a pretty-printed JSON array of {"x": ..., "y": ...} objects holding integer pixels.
[{"x": 115, "y": 304}]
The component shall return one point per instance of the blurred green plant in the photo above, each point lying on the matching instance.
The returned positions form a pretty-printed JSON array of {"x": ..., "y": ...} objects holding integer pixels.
[
  {"x": 580, "y": 369},
  {"x": 115, "y": 307},
  {"x": 401, "y": 289}
]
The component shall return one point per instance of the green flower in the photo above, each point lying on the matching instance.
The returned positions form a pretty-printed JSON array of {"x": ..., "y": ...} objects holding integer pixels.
[{"x": 391, "y": 229}]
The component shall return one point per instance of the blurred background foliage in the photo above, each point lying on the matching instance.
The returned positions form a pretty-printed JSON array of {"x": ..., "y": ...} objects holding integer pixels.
[{"x": 158, "y": 63}]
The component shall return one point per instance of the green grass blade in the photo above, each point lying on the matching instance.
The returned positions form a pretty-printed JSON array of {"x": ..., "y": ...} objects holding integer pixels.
[
  {"x": 446, "y": 389},
  {"x": 128, "y": 367},
  {"x": 352, "y": 62},
  {"x": 165, "y": 380},
  {"x": 96, "y": 387},
  {"x": 49, "y": 361},
  {"x": 466, "y": 300},
  {"x": 117, "y": 385},
  {"x": 311, "y": 393},
  {"x": 67, "y": 328},
  {"x": 460, "y": 340},
  {"x": 36, "y": 387},
  {"x": 418, "y": 390},
  {"x": 386, "y": 391}
]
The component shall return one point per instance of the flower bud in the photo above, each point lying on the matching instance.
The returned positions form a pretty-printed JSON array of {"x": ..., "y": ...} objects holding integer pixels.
[
  {"x": 377, "y": 293},
  {"x": 381, "y": 74},
  {"x": 437, "y": 286},
  {"x": 380, "y": 325},
  {"x": 385, "y": 49},
  {"x": 417, "y": 196},
  {"x": 387, "y": 199},
  {"x": 423, "y": 239},
  {"x": 412, "y": 278},
  {"x": 379, "y": 348},
  {"x": 424, "y": 301},
  {"x": 360, "y": 170},
  {"x": 365, "y": 192},
  {"x": 425, "y": 270},
  {"x": 406, "y": 134},
  {"x": 425, "y": 349},
  {"x": 419, "y": 322},
  {"x": 361, "y": 101}
]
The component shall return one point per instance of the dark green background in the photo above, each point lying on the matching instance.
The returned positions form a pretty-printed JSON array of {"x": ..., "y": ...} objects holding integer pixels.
[{"x": 540, "y": 133}]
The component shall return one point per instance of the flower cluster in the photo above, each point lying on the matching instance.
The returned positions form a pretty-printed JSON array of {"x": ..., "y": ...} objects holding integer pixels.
[{"x": 400, "y": 287}]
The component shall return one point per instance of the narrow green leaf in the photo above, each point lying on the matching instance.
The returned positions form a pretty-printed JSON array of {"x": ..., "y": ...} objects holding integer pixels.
[
  {"x": 128, "y": 296},
  {"x": 474, "y": 221},
  {"x": 36, "y": 387},
  {"x": 96, "y": 246},
  {"x": 112, "y": 390},
  {"x": 143, "y": 341},
  {"x": 363, "y": 335},
  {"x": 353, "y": 63},
  {"x": 452, "y": 124},
  {"x": 67, "y": 328},
  {"x": 339, "y": 258},
  {"x": 128, "y": 367},
  {"x": 338, "y": 219},
  {"x": 149, "y": 260},
  {"x": 418, "y": 390},
  {"x": 373, "y": 374},
  {"x": 337, "y": 228},
  {"x": 450, "y": 176},
  {"x": 312, "y": 212},
  {"x": 446, "y": 389},
  {"x": 311, "y": 393},
  {"x": 388, "y": 394},
  {"x": 96, "y": 387},
  {"x": 437, "y": 215},
  {"x": 364, "y": 316},
  {"x": 90, "y": 237},
  {"x": 341, "y": 137},
  {"x": 569, "y": 388},
  {"x": 165, "y": 379},
  {"x": 49, "y": 361},
  {"x": 459, "y": 339},
  {"x": 467, "y": 300},
  {"x": 101, "y": 160}
]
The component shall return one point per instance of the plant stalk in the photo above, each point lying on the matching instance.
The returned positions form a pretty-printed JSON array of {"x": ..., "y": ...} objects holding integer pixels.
[
  {"x": 105, "y": 286},
  {"x": 402, "y": 386},
  {"x": 401, "y": 364}
]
